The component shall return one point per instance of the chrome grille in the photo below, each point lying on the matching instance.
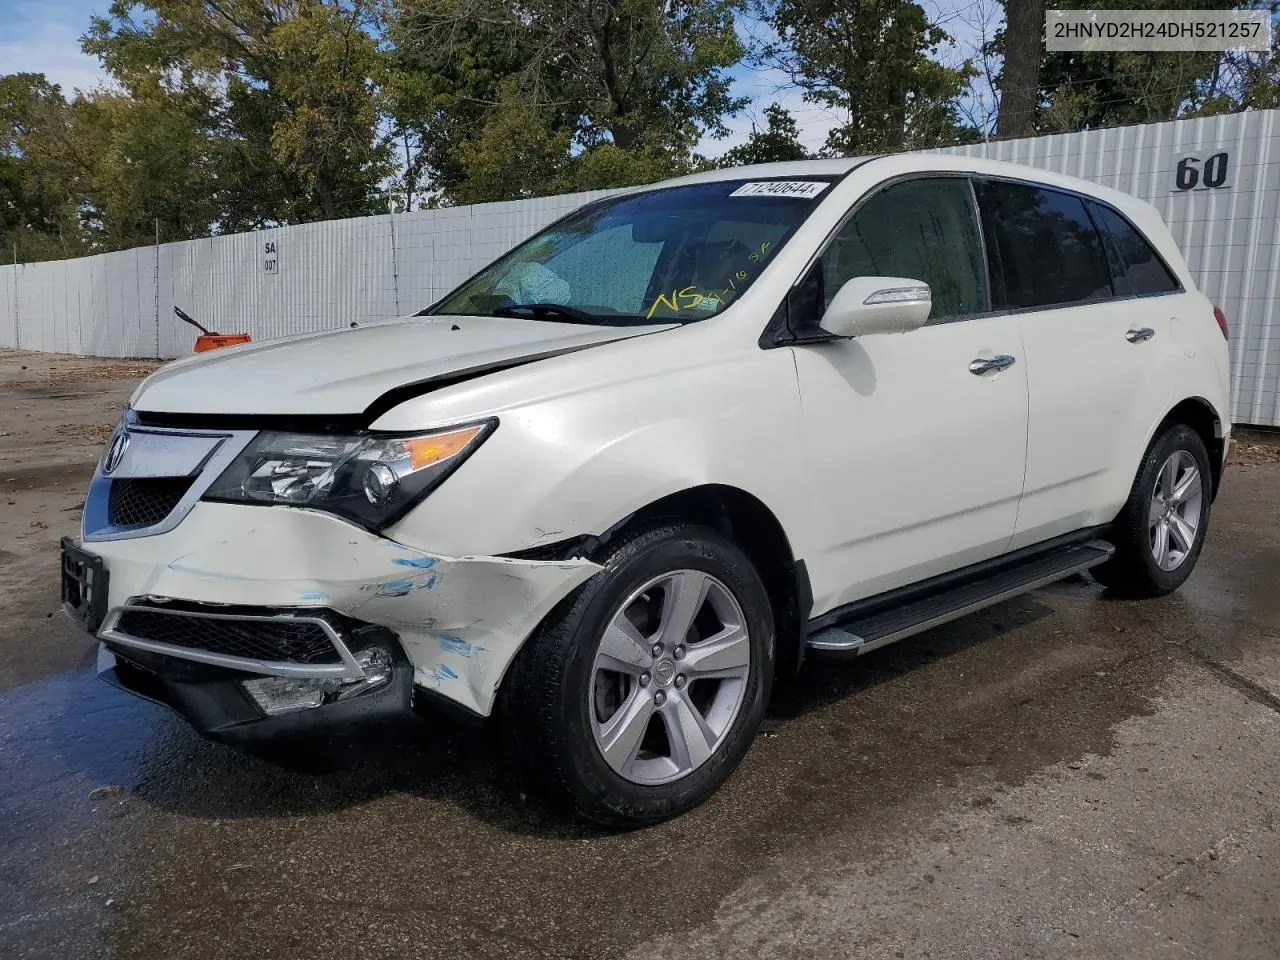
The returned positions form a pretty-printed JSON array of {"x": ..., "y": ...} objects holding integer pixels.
[
  {"x": 274, "y": 640},
  {"x": 144, "y": 501},
  {"x": 155, "y": 478}
]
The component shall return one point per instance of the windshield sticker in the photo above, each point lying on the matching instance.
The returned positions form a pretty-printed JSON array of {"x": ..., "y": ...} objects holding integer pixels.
[{"x": 806, "y": 189}]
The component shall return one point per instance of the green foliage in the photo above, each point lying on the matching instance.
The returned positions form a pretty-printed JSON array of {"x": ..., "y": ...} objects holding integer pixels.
[
  {"x": 1243, "y": 81},
  {"x": 280, "y": 95},
  {"x": 1083, "y": 91},
  {"x": 148, "y": 167},
  {"x": 226, "y": 115},
  {"x": 779, "y": 140},
  {"x": 39, "y": 171},
  {"x": 496, "y": 99},
  {"x": 872, "y": 61}
]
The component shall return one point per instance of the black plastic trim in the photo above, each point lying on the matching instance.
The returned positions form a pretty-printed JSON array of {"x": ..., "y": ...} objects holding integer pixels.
[
  {"x": 946, "y": 581},
  {"x": 353, "y": 424},
  {"x": 84, "y": 586},
  {"x": 804, "y": 607},
  {"x": 804, "y": 590},
  {"x": 212, "y": 700},
  {"x": 583, "y": 545},
  {"x": 426, "y": 699}
]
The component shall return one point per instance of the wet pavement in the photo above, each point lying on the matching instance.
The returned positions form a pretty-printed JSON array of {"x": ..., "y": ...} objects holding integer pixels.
[{"x": 1062, "y": 775}]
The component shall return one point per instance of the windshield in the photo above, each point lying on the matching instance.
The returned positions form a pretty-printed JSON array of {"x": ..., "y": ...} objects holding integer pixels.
[{"x": 677, "y": 254}]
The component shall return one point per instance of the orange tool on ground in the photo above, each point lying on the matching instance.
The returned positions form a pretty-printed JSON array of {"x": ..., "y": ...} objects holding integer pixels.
[{"x": 208, "y": 340}]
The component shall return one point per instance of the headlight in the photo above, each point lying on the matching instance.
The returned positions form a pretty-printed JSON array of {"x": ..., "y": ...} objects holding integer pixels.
[{"x": 371, "y": 479}]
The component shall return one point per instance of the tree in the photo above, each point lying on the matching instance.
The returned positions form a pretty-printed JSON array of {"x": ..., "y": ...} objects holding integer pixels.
[
  {"x": 285, "y": 90},
  {"x": 147, "y": 168},
  {"x": 40, "y": 172},
  {"x": 1243, "y": 81},
  {"x": 502, "y": 99},
  {"x": 778, "y": 140},
  {"x": 1020, "y": 78},
  {"x": 874, "y": 62},
  {"x": 1066, "y": 91}
]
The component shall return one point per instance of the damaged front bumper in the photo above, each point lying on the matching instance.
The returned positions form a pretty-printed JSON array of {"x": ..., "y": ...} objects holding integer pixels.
[
  {"x": 217, "y": 702},
  {"x": 236, "y": 595}
]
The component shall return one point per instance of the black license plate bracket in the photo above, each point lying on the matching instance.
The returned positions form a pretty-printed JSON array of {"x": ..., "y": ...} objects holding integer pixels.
[{"x": 84, "y": 586}]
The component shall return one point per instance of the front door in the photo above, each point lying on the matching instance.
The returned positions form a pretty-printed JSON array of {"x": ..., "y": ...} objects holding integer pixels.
[{"x": 916, "y": 442}]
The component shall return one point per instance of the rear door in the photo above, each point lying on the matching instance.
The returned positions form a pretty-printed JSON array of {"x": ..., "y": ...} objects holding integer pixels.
[
  {"x": 916, "y": 444},
  {"x": 1093, "y": 354}
]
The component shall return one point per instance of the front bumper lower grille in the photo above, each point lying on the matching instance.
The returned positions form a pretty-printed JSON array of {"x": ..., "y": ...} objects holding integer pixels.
[
  {"x": 281, "y": 642},
  {"x": 144, "y": 501},
  {"x": 277, "y": 640}
]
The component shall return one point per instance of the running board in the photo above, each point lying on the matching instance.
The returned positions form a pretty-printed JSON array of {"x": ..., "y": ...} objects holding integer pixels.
[{"x": 883, "y": 622}]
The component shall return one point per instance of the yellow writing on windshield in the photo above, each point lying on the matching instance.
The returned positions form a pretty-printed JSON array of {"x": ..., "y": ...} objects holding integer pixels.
[{"x": 691, "y": 298}]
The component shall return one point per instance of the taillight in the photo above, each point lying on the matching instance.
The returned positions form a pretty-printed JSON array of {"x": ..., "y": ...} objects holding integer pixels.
[{"x": 1222, "y": 321}]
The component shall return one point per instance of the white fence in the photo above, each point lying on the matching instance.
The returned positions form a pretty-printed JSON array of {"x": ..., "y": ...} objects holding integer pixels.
[
  {"x": 326, "y": 275},
  {"x": 270, "y": 283}
]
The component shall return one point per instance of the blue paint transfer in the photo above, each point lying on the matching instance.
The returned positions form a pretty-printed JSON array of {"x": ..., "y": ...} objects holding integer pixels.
[
  {"x": 456, "y": 645},
  {"x": 315, "y": 595},
  {"x": 441, "y": 673},
  {"x": 428, "y": 583},
  {"x": 422, "y": 563},
  {"x": 394, "y": 588}
]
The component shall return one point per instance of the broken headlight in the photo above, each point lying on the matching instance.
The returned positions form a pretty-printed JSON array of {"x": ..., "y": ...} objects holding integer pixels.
[{"x": 371, "y": 479}]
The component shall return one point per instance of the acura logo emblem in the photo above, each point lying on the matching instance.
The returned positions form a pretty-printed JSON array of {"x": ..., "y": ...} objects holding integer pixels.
[{"x": 115, "y": 452}]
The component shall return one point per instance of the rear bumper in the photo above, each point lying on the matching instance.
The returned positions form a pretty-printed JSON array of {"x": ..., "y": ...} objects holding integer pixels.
[{"x": 457, "y": 621}]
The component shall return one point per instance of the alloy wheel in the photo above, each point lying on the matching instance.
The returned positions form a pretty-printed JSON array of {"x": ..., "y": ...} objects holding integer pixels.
[
  {"x": 1174, "y": 515},
  {"x": 669, "y": 677}
]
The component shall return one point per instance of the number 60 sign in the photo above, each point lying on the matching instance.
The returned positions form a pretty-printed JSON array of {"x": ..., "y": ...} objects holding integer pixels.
[{"x": 1202, "y": 173}]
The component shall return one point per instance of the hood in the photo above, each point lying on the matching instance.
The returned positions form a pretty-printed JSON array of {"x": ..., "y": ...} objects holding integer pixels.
[{"x": 344, "y": 372}]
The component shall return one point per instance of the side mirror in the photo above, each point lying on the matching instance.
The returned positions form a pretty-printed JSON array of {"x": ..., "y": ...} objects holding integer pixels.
[{"x": 878, "y": 305}]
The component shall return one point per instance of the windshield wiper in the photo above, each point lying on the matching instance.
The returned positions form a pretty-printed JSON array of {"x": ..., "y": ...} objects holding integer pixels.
[{"x": 540, "y": 310}]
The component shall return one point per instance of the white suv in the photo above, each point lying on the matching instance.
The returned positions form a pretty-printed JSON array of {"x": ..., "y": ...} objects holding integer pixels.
[{"x": 613, "y": 485}]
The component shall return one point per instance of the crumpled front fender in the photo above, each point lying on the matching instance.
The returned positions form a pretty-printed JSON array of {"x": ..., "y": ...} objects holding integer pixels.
[{"x": 461, "y": 620}]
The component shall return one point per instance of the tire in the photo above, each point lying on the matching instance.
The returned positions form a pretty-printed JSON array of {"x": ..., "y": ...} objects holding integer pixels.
[
  {"x": 564, "y": 699},
  {"x": 1135, "y": 570}
]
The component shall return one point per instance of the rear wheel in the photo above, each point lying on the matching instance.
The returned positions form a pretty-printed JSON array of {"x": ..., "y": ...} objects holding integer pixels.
[
  {"x": 1159, "y": 533},
  {"x": 642, "y": 692}
]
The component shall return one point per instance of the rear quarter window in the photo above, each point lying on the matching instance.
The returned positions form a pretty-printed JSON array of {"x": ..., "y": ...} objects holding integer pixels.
[{"x": 1136, "y": 267}]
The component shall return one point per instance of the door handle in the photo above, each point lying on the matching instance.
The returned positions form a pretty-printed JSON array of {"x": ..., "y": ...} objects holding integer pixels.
[
  {"x": 1139, "y": 333},
  {"x": 981, "y": 365}
]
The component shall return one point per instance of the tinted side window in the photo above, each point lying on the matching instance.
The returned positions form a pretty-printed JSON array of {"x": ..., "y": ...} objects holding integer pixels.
[
  {"x": 922, "y": 229},
  {"x": 1048, "y": 249},
  {"x": 1140, "y": 269}
]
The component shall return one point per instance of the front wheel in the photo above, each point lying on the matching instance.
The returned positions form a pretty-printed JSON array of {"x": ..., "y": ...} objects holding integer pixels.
[
  {"x": 1159, "y": 533},
  {"x": 642, "y": 692}
]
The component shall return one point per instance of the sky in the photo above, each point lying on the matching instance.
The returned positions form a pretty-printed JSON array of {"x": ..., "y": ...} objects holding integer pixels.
[{"x": 43, "y": 37}]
